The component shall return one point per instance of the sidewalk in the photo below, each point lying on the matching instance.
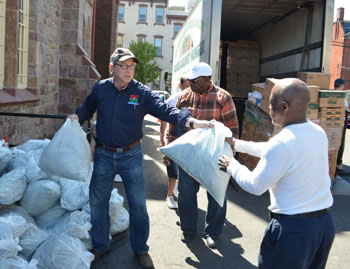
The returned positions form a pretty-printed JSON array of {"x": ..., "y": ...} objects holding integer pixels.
[{"x": 245, "y": 223}]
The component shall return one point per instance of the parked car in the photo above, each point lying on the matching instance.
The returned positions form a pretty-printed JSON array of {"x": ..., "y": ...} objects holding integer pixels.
[{"x": 164, "y": 95}]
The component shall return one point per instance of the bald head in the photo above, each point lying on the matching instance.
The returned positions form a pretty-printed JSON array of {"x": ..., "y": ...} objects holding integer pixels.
[
  {"x": 290, "y": 98},
  {"x": 293, "y": 91}
]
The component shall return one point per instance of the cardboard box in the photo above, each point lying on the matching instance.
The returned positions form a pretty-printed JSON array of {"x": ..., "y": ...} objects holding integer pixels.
[
  {"x": 312, "y": 111},
  {"x": 332, "y": 160},
  {"x": 327, "y": 112},
  {"x": 314, "y": 78},
  {"x": 259, "y": 87},
  {"x": 331, "y": 98},
  {"x": 314, "y": 94},
  {"x": 265, "y": 100}
]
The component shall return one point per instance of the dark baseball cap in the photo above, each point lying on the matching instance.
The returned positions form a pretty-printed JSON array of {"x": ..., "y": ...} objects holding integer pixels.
[
  {"x": 338, "y": 82},
  {"x": 121, "y": 55}
]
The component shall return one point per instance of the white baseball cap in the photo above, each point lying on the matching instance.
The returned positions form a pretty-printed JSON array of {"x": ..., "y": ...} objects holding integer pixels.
[{"x": 200, "y": 70}]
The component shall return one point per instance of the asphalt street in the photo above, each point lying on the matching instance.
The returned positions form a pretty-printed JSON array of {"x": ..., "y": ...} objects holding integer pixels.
[{"x": 246, "y": 219}]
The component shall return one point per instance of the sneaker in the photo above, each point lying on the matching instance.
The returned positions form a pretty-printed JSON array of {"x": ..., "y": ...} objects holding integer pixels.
[
  {"x": 171, "y": 202},
  {"x": 186, "y": 237},
  {"x": 144, "y": 260},
  {"x": 211, "y": 243},
  {"x": 99, "y": 255}
]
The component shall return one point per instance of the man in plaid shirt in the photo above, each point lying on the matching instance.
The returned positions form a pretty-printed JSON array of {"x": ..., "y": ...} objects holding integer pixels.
[{"x": 206, "y": 102}]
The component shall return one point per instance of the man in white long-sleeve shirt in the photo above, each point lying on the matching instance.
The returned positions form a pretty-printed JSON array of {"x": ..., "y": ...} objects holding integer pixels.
[{"x": 293, "y": 167}]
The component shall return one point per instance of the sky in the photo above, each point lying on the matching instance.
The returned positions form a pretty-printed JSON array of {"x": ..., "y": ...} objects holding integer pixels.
[
  {"x": 337, "y": 3},
  {"x": 345, "y": 4}
]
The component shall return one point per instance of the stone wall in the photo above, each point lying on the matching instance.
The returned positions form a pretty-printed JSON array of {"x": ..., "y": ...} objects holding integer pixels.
[
  {"x": 43, "y": 49},
  {"x": 60, "y": 72}
]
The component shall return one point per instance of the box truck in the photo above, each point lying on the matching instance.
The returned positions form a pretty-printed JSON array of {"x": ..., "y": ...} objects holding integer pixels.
[{"x": 248, "y": 41}]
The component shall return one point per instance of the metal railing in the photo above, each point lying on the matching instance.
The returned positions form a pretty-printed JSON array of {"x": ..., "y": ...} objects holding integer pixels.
[{"x": 60, "y": 117}]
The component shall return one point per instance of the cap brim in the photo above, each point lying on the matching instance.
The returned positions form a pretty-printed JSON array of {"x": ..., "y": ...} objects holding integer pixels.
[
  {"x": 191, "y": 76},
  {"x": 124, "y": 58}
]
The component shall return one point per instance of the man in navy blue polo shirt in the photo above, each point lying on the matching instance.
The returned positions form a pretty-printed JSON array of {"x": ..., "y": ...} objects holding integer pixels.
[{"x": 122, "y": 103}]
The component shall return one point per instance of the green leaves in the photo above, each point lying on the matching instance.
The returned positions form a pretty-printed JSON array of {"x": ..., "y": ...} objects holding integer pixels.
[{"x": 147, "y": 71}]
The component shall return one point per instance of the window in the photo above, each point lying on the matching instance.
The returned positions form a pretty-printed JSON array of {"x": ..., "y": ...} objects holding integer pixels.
[
  {"x": 141, "y": 38},
  {"x": 158, "y": 45},
  {"x": 22, "y": 43},
  {"x": 176, "y": 29},
  {"x": 2, "y": 41},
  {"x": 120, "y": 40},
  {"x": 142, "y": 14},
  {"x": 159, "y": 15},
  {"x": 121, "y": 10}
]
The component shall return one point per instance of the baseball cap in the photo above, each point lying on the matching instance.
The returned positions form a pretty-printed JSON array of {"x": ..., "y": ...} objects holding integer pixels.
[
  {"x": 200, "y": 70},
  {"x": 121, "y": 55},
  {"x": 339, "y": 81}
]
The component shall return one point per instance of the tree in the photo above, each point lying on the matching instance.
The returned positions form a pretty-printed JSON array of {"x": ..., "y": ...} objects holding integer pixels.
[{"x": 147, "y": 71}]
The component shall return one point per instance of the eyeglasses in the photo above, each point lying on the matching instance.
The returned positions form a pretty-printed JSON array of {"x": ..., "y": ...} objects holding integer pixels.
[{"x": 126, "y": 67}]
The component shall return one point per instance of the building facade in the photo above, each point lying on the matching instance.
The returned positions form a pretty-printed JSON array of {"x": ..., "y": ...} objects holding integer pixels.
[
  {"x": 340, "y": 63},
  {"x": 155, "y": 22},
  {"x": 46, "y": 66}
]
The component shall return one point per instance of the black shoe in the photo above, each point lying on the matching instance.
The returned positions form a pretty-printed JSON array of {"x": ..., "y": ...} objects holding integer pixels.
[
  {"x": 186, "y": 237},
  {"x": 145, "y": 260},
  {"x": 99, "y": 255},
  {"x": 211, "y": 243}
]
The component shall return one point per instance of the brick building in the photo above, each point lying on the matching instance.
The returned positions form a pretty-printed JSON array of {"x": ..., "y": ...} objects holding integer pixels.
[
  {"x": 153, "y": 21},
  {"x": 46, "y": 61},
  {"x": 340, "y": 63}
]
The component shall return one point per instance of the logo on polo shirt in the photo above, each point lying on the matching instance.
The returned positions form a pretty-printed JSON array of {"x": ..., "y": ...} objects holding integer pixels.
[{"x": 134, "y": 100}]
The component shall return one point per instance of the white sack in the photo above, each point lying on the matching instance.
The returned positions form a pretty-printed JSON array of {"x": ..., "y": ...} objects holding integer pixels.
[
  {"x": 12, "y": 186},
  {"x": 33, "y": 144},
  {"x": 121, "y": 223},
  {"x": 68, "y": 154},
  {"x": 31, "y": 240},
  {"x": 198, "y": 151},
  {"x": 40, "y": 196},
  {"x": 9, "y": 246},
  {"x": 17, "y": 263},
  {"x": 17, "y": 223},
  {"x": 63, "y": 252},
  {"x": 50, "y": 217},
  {"x": 76, "y": 223},
  {"x": 115, "y": 204},
  {"x": 28, "y": 160},
  {"x": 74, "y": 194},
  {"x": 5, "y": 158},
  {"x": 8, "y": 209}
]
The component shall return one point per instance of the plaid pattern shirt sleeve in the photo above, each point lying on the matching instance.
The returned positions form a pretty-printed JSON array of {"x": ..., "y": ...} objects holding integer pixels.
[{"x": 215, "y": 104}]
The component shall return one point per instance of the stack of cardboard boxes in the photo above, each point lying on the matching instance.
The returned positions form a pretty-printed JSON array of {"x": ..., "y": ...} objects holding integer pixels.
[
  {"x": 330, "y": 113},
  {"x": 242, "y": 67},
  {"x": 326, "y": 109}
]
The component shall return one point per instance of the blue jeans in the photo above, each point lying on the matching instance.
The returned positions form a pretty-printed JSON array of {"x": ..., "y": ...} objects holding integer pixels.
[
  {"x": 188, "y": 208},
  {"x": 297, "y": 242},
  {"x": 129, "y": 166}
]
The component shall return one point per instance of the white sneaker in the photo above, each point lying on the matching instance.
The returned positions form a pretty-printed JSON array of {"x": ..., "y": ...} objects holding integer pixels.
[{"x": 171, "y": 202}]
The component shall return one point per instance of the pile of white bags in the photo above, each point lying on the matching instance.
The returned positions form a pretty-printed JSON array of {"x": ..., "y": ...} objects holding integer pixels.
[
  {"x": 198, "y": 151},
  {"x": 51, "y": 227}
]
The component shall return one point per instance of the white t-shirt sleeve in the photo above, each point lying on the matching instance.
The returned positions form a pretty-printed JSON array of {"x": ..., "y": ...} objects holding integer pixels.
[
  {"x": 252, "y": 148},
  {"x": 272, "y": 165}
]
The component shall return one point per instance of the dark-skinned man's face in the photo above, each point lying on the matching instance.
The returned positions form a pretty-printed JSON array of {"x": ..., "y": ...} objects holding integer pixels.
[{"x": 200, "y": 84}]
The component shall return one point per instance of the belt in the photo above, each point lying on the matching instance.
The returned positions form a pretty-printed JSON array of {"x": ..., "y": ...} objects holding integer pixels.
[
  {"x": 312, "y": 214},
  {"x": 118, "y": 150}
]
